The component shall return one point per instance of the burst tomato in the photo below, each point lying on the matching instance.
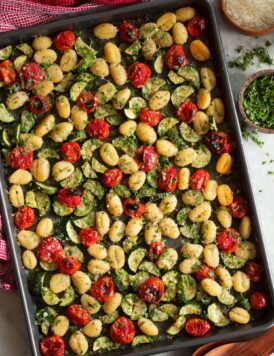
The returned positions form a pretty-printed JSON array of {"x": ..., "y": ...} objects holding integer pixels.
[
  {"x": 150, "y": 117},
  {"x": 176, "y": 57},
  {"x": 133, "y": 208},
  {"x": 218, "y": 142},
  {"x": 89, "y": 236},
  {"x": 49, "y": 250},
  {"x": 24, "y": 217},
  {"x": 112, "y": 177},
  {"x": 103, "y": 289},
  {"x": 98, "y": 128},
  {"x": 69, "y": 197},
  {"x": 196, "y": 26},
  {"x": 127, "y": 32},
  {"x": 21, "y": 157},
  {"x": 7, "y": 72},
  {"x": 64, "y": 41},
  {"x": 186, "y": 111},
  {"x": 152, "y": 290},
  {"x": 122, "y": 330},
  {"x": 52, "y": 346},
  {"x": 227, "y": 240},
  {"x": 87, "y": 102},
  {"x": 31, "y": 75},
  {"x": 156, "y": 249},
  {"x": 239, "y": 207},
  {"x": 39, "y": 104},
  {"x": 168, "y": 179},
  {"x": 69, "y": 265},
  {"x": 258, "y": 300},
  {"x": 254, "y": 271},
  {"x": 197, "y": 327},
  {"x": 203, "y": 271},
  {"x": 70, "y": 151},
  {"x": 77, "y": 315},
  {"x": 199, "y": 179},
  {"x": 138, "y": 74},
  {"x": 147, "y": 158}
]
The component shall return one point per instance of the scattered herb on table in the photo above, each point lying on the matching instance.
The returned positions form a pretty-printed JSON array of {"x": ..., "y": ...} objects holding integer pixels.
[
  {"x": 247, "y": 57},
  {"x": 253, "y": 135}
]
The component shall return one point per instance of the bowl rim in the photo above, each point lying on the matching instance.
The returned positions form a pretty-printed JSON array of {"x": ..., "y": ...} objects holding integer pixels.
[{"x": 250, "y": 79}]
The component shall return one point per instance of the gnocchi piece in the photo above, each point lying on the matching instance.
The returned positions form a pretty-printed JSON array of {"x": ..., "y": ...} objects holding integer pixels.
[
  {"x": 224, "y": 276},
  {"x": 239, "y": 315},
  {"x": 166, "y": 148},
  {"x": 16, "y": 196},
  {"x": 208, "y": 230},
  {"x": 117, "y": 231},
  {"x": 127, "y": 164},
  {"x": 109, "y": 154},
  {"x": 184, "y": 177},
  {"x": 44, "y": 227},
  {"x": 116, "y": 257},
  {"x": 147, "y": 30},
  {"x": 147, "y": 327},
  {"x": 100, "y": 68},
  {"x": 224, "y": 194},
  {"x": 179, "y": 33},
  {"x": 44, "y": 88},
  {"x": 59, "y": 282},
  {"x": 190, "y": 250},
  {"x": 216, "y": 109},
  {"x": 185, "y": 13},
  {"x": 201, "y": 123},
  {"x": 152, "y": 234},
  {"x": 29, "y": 259},
  {"x": 119, "y": 101},
  {"x": 105, "y": 31},
  {"x": 152, "y": 212},
  {"x": 102, "y": 222},
  {"x": 163, "y": 39},
  {"x": 28, "y": 239},
  {"x": 93, "y": 328},
  {"x": 41, "y": 42},
  {"x": 62, "y": 170},
  {"x": 45, "y": 56},
  {"x": 167, "y": 259},
  {"x": 20, "y": 177},
  {"x": 166, "y": 21},
  {"x": 192, "y": 197},
  {"x": 211, "y": 287},
  {"x": 159, "y": 100},
  {"x": 110, "y": 306},
  {"x": 128, "y": 128},
  {"x": 134, "y": 226},
  {"x": 60, "y": 325},
  {"x": 17, "y": 100},
  {"x": 79, "y": 118},
  {"x": 246, "y": 250},
  {"x": 40, "y": 169},
  {"x": 200, "y": 213},
  {"x": 118, "y": 73},
  {"x": 149, "y": 48},
  {"x": 203, "y": 99},
  {"x": 112, "y": 53},
  {"x": 32, "y": 141},
  {"x": 185, "y": 157},
  {"x": 189, "y": 265},
  {"x": 168, "y": 204},
  {"x": 97, "y": 251},
  {"x": 55, "y": 73},
  {"x": 210, "y": 191},
  {"x": 245, "y": 227},
  {"x": 169, "y": 228},
  {"x": 199, "y": 51},
  {"x": 105, "y": 93},
  {"x": 78, "y": 343},
  {"x": 98, "y": 267},
  {"x": 146, "y": 133},
  {"x": 61, "y": 131},
  {"x": 63, "y": 106},
  {"x": 208, "y": 78},
  {"x": 136, "y": 180},
  {"x": 211, "y": 255},
  {"x": 241, "y": 282},
  {"x": 90, "y": 304},
  {"x": 45, "y": 126},
  {"x": 81, "y": 282},
  {"x": 224, "y": 164},
  {"x": 68, "y": 61},
  {"x": 224, "y": 217}
]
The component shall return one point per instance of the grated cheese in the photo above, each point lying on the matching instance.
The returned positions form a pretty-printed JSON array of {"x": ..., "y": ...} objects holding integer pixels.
[{"x": 252, "y": 14}]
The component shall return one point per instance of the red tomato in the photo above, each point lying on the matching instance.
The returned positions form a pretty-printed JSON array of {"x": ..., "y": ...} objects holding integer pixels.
[
  {"x": 133, "y": 207},
  {"x": 69, "y": 197},
  {"x": 227, "y": 240},
  {"x": 150, "y": 117},
  {"x": 7, "y": 72},
  {"x": 138, "y": 74},
  {"x": 147, "y": 158},
  {"x": 21, "y": 157},
  {"x": 87, "y": 102},
  {"x": 186, "y": 111},
  {"x": 254, "y": 271},
  {"x": 168, "y": 179},
  {"x": 218, "y": 142},
  {"x": 103, "y": 289},
  {"x": 152, "y": 290},
  {"x": 258, "y": 300},
  {"x": 112, "y": 177},
  {"x": 98, "y": 128},
  {"x": 127, "y": 32},
  {"x": 24, "y": 217},
  {"x": 39, "y": 104},
  {"x": 122, "y": 330},
  {"x": 64, "y": 41},
  {"x": 89, "y": 236},
  {"x": 49, "y": 250},
  {"x": 199, "y": 179},
  {"x": 69, "y": 265},
  {"x": 31, "y": 75},
  {"x": 203, "y": 271},
  {"x": 239, "y": 207},
  {"x": 77, "y": 315},
  {"x": 197, "y": 327},
  {"x": 196, "y": 26},
  {"x": 156, "y": 249},
  {"x": 71, "y": 151},
  {"x": 176, "y": 57},
  {"x": 52, "y": 346}
]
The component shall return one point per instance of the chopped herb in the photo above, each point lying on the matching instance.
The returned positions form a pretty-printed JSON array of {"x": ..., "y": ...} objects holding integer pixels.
[
  {"x": 270, "y": 172},
  {"x": 253, "y": 136},
  {"x": 246, "y": 58}
]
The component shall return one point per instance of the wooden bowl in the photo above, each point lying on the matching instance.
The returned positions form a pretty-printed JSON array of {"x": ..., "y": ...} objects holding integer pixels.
[
  {"x": 242, "y": 29},
  {"x": 253, "y": 77}
]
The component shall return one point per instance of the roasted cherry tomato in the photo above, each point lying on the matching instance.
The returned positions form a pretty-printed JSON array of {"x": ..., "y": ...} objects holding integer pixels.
[
  {"x": 69, "y": 265},
  {"x": 203, "y": 271},
  {"x": 112, "y": 177},
  {"x": 156, "y": 249},
  {"x": 103, "y": 289},
  {"x": 197, "y": 327},
  {"x": 152, "y": 290},
  {"x": 7, "y": 72},
  {"x": 227, "y": 240},
  {"x": 199, "y": 179},
  {"x": 176, "y": 57},
  {"x": 239, "y": 207},
  {"x": 69, "y": 197},
  {"x": 147, "y": 158},
  {"x": 258, "y": 300},
  {"x": 138, "y": 74},
  {"x": 150, "y": 117},
  {"x": 254, "y": 271},
  {"x": 64, "y": 41},
  {"x": 127, "y": 32},
  {"x": 77, "y": 315},
  {"x": 133, "y": 207},
  {"x": 70, "y": 151},
  {"x": 186, "y": 111},
  {"x": 31, "y": 75},
  {"x": 98, "y": 128},
  {"x": 52, "y": 346},
  {"x": 39, "y": 104},
  {"x": 49, "y": 250},
  {"x": 218, "y": 142},
  {"x": 168, "y": 179},
  {"x": 24, "y": 217},
  {"x": 89, "y": 236},
  {"x": 196, "y": 26},
  {"x": 87, "y": 102},
  {"x": 21, "y": 157},
  {"x": 122, "y": 330}
]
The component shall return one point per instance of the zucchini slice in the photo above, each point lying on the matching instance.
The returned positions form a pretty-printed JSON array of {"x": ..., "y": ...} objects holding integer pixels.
[
  {"x": 61, "y": 209},
  {"x": 109, "y": 319},
  {"x": 151, "y": 87},
  {"x": 86, "y": 221},
  {"x": 191, "y": 308},
  {"x": 232, "y": 261},
  {"x": 171, "y": 309},
  {"x": 141, "y": 339},
  {"x": 74, "y": 180},
  {"x": 104, "y": 343},
  {"x": 5, "y": 52},
  {"x": 189, "y": 134},
  {"x": 74, "y": 251},
  {"x": 215, "y": 315},
  {"x": 5, "y": 115},
  {"x": 68, "y": 297},
  {"x": 157, "y": 314},
  {"x": 203, "y": 157},
  {"x": 166, "y": 124},
  {"x": 226, "y": 297},
  {"x": 49, "y": 297},
  {"x": 47, "y": 189},
  {"x": 87, "y": 204},
  {"x": 133, "y": 306},
  {"x": 95, "y": 187},
  {"x": 149, "y": 267},
  {"x": 187, "y": 288},
  {"x": 72, "y": 233},
  {"x": 180, "y": 94},
  {"x": 136, "y": 280},
  {"x": 89, "y": 147},
  {"x": 135, "y": 258},
  {"x": 191, "y": 75},
  {"x": 121, "y": 278},
  {"x": 177, "y": 326}
]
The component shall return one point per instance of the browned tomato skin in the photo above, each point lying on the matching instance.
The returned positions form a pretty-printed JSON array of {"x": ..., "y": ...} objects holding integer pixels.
[
  {"x": 152, "y": 290},
  {"x": 52, "y": 346},
  {"x": 122, "y": 330},
  {"x": 77, "y": 315},
  {"x": 197, "y": 327},
  {"x": 103, "y": 289}
]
